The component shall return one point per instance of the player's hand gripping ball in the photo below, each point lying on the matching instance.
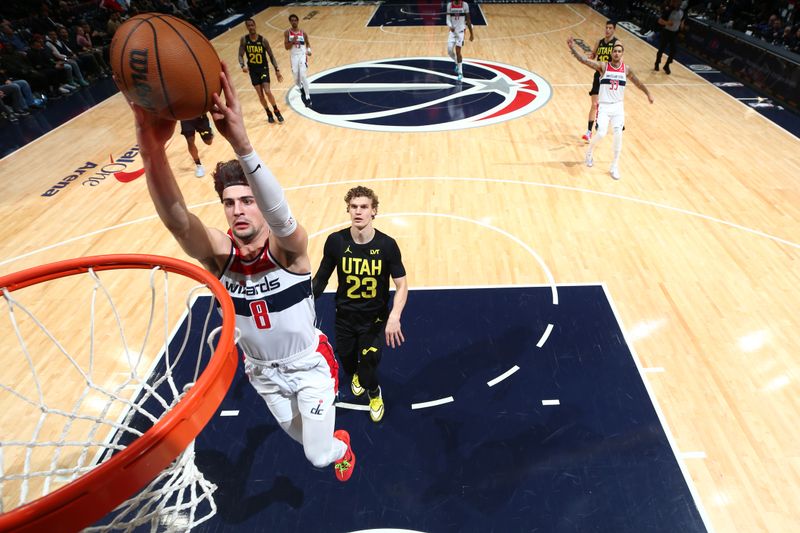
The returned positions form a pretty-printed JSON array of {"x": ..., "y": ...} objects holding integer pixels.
[{"x": 165, "y": 65}]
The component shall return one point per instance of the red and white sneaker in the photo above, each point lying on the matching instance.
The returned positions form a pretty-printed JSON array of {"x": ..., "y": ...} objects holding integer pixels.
[
  {"x": 343, "y": 468},
  {"x": 587, "y": 137}
]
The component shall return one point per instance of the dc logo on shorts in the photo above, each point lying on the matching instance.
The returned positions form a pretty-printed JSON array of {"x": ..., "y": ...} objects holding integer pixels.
[
  {"x": 318, "y": 410},
  {"x": 421, "y": 94}
]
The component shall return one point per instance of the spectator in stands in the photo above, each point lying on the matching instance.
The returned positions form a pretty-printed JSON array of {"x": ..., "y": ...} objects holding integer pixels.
[
  {"x": 99, "y": 38},
  {"x": 142, "y": 6},
  {"x": 186, "y": 10},
  {"x": 83, "y": 41},
  {"x": 775, "y": 34},
  {"x": 18, "y": 93},
  {"x": 786, "y": 38},
  {"x": 794, "y": 44},
  {"x": 43, "y": 22},
  {"x": 9, "y": 36},
  {"x": 167, "y": 7},
  {"x": 59, "y": 73},
  {"x": 63, "y": 53},
  {"x": 5, "y": 110},
  {"x": 16, "y": 66},
  {"x": 114, "y": 22}
]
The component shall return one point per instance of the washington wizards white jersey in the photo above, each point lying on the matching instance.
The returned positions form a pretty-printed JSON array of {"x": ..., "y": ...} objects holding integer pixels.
[
  {"x": 298, "y": 40},
  {"x": 274, "y": 307},
  {"x": 457, "y": 15},
  {"x": 612, "y": 84}
]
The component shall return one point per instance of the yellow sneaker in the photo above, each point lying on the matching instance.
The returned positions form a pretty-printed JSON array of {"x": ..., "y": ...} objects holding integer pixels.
[
  {"x": 355, "y": 386},
  {"x": 376, "y": 408}
]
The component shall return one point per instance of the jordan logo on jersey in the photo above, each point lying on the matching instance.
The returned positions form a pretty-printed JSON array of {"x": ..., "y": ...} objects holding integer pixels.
[{"x": 347, "y": 250}]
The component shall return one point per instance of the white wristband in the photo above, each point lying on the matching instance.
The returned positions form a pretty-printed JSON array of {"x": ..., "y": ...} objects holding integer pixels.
[{"x": 268, "y": 194}]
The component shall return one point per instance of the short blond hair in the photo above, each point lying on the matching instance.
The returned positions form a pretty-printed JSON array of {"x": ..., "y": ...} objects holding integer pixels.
[{"x": 366, "y": 192}]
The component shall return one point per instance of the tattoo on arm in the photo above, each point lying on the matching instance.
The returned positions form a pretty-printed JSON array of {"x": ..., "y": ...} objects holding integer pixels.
[
  {"x": 636, "y": 81},
  {"x": 271, "y": 55},
  {"x": 596, "y": 65}
]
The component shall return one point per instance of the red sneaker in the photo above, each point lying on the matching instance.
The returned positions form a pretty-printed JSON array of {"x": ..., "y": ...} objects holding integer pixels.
[
  {"x": 343, "y": 468},
  {"x": 587, "y": 137}
]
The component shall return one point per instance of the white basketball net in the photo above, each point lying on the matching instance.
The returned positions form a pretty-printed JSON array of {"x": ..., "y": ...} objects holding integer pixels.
[{"x": 73, "y": 410}]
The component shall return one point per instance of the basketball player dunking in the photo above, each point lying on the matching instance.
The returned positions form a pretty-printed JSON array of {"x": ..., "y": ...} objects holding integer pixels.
[
  {"x": 263, "y": 262},
  {"x": 296, "y": 41},
  {"x": 256, "y": 49},
  {"x": 613, "y": 78},
  {"x": 457, "y": 20},
  {"x": 602, "y": 52}
]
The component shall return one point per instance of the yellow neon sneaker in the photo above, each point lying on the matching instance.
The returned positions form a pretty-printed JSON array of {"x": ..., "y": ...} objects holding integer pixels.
[
  {"x": 355, "y": 386},
  {"x": 376, "y": 407}
]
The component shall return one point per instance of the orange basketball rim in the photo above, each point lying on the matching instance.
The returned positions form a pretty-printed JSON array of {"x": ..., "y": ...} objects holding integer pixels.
[{"x": 91, "y": 496}]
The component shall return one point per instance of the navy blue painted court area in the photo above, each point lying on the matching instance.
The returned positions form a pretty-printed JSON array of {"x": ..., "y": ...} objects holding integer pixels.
[
  {"x": 493, "y": 459},
  {"x": 420, "y": 14},
  {"x": 409, "y": 92}
]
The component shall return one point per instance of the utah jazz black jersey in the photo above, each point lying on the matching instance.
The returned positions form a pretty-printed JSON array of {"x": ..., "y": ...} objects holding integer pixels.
[
  {"x": 604, "y": 49},
  {"x": 603, "y": 54},
  {"x": 256, "y": 53},
  {"x": 363, "y": 272}
]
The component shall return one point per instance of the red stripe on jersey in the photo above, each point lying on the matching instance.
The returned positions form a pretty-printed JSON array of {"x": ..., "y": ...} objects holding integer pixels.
[
  {"x": 260, "y": 264},
  {"x": 325, "y": 350},
  {"x": 610, "y": 67}
]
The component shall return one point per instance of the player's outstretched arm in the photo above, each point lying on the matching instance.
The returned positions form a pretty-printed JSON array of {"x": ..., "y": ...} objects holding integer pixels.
[
  {"x": 198, "y": 241},
  {"x": 291, "y": 240},
  {"x": 596, "y": 65},
  {"x": 640, "y": 85}
]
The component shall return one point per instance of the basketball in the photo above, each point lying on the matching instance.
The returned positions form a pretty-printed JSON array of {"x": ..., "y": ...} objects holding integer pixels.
[{"x": 165, "y": 65}]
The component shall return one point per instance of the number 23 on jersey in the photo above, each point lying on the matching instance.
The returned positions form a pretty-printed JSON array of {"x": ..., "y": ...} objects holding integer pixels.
[{"x": 361, "y": 287}]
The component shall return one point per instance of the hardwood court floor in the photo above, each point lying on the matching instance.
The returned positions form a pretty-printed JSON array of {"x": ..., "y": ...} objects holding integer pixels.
[{"x": 698, "y": 244}]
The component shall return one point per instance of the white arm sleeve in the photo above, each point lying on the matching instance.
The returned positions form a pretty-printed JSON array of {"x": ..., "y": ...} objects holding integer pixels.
[
  {"x": 269, "y": 195},
  {"x": 449, "y": 22}
]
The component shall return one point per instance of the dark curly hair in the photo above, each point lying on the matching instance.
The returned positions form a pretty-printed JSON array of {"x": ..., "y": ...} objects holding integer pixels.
[
  {"x": 366, "y": 192},
  {"x": 227, "y": 174}
]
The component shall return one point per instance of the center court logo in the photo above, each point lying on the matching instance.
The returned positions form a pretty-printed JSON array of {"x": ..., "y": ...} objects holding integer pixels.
[{"x": 416, "y": 94}]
